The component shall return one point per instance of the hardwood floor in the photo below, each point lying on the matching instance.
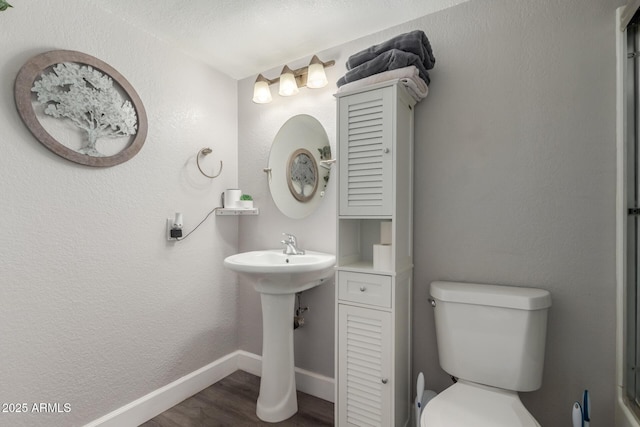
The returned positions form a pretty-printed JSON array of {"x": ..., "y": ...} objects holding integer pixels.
[{"x": 232, "y": 402}]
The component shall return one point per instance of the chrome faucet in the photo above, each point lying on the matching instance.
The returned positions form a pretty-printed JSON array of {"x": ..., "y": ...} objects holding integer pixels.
[{"x": 291, "y": 244}]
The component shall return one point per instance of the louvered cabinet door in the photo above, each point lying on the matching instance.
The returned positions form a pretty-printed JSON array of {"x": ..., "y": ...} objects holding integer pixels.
[
  {"x": 366, "y": 153},
  {"x": 365, "y": 369}
]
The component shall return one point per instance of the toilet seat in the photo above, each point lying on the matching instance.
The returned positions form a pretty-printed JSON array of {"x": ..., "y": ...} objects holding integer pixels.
[{"x": 470, "y": 404}]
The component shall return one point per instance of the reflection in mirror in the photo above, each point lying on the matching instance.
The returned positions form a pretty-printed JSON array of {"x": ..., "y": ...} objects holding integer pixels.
[
  {"x": 302, "y": 175},
  {"x": 299, "y": 165}
]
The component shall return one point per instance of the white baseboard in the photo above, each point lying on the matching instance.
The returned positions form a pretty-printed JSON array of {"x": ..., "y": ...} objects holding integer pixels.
[
  {"x": 158, "y": 401},
  {"x": 148, "y": 406}
]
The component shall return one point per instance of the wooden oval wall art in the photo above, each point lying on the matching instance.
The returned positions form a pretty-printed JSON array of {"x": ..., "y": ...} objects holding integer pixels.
[{"x": 95, "y": 114}]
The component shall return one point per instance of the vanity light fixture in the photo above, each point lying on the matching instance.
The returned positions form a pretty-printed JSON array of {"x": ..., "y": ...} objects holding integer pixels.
[{"x": 312, "y": 76}]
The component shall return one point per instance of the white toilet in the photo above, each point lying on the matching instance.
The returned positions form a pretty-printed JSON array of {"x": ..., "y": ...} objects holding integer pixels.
[{"x": 492, "y": 339}]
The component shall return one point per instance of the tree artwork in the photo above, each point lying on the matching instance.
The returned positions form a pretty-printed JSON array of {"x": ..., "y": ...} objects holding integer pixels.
[
  {"x": 88, "y": 99},
  {"x": 303, "y": 172}
]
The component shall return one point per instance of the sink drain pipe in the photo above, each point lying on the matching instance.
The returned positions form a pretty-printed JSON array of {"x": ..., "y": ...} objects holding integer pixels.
[{"x": 298, "y": 320}]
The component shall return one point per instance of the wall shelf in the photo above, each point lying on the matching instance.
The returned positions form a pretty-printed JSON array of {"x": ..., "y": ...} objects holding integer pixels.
[{"x": 233, "y": 211}]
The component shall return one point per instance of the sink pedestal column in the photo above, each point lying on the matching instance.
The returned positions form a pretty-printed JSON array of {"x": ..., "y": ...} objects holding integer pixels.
[{"x": 277, "y": 400}]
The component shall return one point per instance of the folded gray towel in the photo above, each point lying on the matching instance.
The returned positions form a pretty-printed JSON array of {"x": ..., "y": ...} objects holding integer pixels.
[
  {"x": 415, "y": 42},
  {"x": 389, "y": 60}
]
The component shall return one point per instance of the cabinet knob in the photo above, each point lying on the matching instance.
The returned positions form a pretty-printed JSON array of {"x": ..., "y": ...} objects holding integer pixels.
[
  {"x": 386, "y": 150},
  {"x": 362, "y": 289},
  {"x": 384, "y": 381}
]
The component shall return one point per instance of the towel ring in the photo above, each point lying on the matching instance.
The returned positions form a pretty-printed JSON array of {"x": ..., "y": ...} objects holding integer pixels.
[{"x": 204, "y": 152}]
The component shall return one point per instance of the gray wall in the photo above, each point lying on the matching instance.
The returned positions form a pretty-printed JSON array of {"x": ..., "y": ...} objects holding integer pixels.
[
  {"x": 258, "y": 126},
  {"x": 515, "y": 182},
  {"x": 515, "y": 161},
  {"x": 97, "y": 308}
]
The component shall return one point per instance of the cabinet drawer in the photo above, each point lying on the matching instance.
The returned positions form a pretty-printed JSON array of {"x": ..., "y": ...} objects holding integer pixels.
[{"x": 364, "y": 288}]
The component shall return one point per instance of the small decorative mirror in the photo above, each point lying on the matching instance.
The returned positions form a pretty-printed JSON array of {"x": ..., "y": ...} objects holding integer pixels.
[{"x": 299, "y": 166}]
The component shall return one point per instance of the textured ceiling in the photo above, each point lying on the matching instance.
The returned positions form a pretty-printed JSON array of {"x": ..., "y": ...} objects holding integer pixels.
[{"x": 245, "y": 37}]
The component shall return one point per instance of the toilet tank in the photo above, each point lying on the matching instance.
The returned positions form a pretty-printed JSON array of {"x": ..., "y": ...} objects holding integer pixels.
[{"x": 490, "y": 334}]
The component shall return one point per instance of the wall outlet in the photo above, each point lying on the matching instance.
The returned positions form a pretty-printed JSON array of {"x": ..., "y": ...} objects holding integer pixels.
[{"x": 173, "y": 233}]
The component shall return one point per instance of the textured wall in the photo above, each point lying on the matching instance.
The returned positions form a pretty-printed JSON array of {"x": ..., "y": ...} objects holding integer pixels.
[
  {"x": 257, "y": 127},
  {"x": 515, "y": 182},
  {"x": 96, "y": 307},
  {"x": 516, "y": 171}
]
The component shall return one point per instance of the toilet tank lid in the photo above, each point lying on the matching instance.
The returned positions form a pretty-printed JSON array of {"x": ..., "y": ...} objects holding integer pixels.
[{"x": 491, "y": 295}]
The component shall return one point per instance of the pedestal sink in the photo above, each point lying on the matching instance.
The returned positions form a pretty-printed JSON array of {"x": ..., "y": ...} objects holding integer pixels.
[{"x": 278, "y": 277}]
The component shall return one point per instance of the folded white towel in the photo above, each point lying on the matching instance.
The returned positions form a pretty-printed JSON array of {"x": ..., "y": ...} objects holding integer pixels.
[
  {"x": 408, "y": 75},
  {"x": 416, "y": 90}
]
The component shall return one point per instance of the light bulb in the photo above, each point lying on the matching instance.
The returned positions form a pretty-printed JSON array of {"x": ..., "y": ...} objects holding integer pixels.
[
  {"x": 288, "y": 85},
  {"x": 316, "y": 77},
  {"x": 261, "y": 92}
]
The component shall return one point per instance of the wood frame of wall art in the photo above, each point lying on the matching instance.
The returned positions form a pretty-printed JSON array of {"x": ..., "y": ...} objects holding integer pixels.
[{"x": 107, "y": 118}]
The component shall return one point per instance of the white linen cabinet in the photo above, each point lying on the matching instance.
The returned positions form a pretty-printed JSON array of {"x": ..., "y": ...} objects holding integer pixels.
[{"x": 373, "y": 310}]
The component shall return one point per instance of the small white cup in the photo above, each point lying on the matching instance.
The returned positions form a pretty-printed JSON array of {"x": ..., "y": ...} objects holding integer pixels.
[{"x": 231, "y": 197}]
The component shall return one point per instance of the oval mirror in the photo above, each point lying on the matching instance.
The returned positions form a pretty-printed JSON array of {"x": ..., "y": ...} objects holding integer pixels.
[{"x": 299, "y": 170}]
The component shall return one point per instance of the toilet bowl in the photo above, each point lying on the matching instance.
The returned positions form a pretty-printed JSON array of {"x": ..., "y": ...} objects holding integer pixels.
[
  {"x": 469, "y": 404},
  {"x": 492, "y": 338}
]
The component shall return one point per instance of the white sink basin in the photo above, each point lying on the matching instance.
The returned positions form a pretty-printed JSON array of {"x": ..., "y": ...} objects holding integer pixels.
[
  {"x": 273, "y": 272},
  {"x": 278, "y": 277}
]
